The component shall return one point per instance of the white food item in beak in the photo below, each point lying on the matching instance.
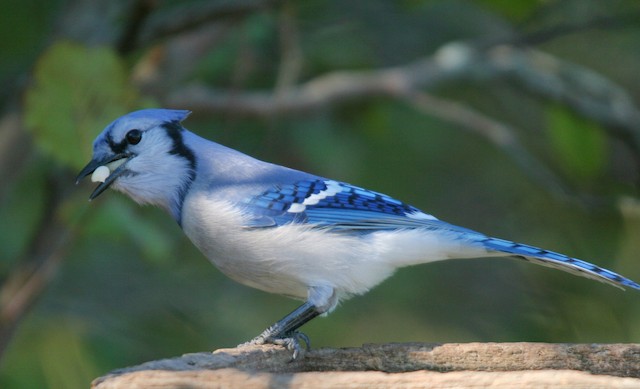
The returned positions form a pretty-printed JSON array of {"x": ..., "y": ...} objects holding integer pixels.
[
  {"x": 100, "y": 174},
  {"x": 113, "y": 165}
]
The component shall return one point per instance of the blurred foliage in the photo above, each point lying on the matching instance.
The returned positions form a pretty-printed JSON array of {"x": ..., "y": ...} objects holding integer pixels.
[
  {"x": 580, "y": 145},
  {"x": 65, "y": 100},
  {"x": 21, "y": 212},
  {"x": 131, "y": 287}
]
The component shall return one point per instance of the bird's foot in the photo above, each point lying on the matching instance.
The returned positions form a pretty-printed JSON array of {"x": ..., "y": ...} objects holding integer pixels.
[{"x": 291, "y": 341}]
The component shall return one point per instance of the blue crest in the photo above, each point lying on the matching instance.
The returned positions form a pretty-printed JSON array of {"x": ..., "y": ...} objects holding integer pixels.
[{"x": 163, "y": 115}]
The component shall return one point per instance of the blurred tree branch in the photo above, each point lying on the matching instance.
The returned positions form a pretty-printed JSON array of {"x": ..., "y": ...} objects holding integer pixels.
[
  {"x": 38, "y": 265},
  {"x": 14, "y": 148},
  {"x": 538, "y": 35},
  {"x": 291, "y": 57},
  {"x": 588, "y": 93},
  {"x": 317, "y": 94},
  {"x": 139, "y": 13},
  {"x": 147, "y": 27},
  {"x": 584, "y": 91},
  {"x": 498, "y": 133}
]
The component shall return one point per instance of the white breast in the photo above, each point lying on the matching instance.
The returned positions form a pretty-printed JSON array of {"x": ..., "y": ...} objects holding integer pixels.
[
  {"x": 289, "y": 259},
  {"x": 285, "y": 260}
]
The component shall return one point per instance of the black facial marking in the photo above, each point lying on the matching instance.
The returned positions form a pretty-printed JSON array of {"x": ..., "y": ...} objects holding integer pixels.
[
  {"x": 174, "y": 130},
  {"x": 117, "y": 148}
]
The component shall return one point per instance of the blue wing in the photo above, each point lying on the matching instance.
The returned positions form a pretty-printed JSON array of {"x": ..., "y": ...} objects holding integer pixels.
[{"x": 338, "y": 206}]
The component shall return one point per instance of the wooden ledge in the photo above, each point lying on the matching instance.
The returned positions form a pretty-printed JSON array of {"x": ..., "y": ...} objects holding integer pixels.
[{"x": 395, "y": 365}]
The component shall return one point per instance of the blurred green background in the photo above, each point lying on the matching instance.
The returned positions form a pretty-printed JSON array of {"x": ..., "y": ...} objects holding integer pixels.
[{"x": 538, "y": 141}]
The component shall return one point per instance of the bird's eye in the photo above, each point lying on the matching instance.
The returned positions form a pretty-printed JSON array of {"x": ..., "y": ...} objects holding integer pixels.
[{"x": 133, "y": 136}]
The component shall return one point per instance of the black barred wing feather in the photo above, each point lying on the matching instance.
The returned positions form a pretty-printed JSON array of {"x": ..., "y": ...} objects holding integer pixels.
[
  {"x": 558, "y": 261},
  {"x": 338, "y": 206}
]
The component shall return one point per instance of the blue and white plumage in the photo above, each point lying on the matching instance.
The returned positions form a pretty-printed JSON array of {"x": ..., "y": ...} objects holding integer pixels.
[{"x": 282, "y": 230}]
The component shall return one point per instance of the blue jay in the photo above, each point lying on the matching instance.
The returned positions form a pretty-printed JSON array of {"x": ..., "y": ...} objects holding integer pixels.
[{"x": 282, "y": 230}]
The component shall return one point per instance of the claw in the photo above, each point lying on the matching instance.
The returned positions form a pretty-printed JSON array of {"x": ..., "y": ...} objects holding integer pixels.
[
  {"x": 290, "y": 341},
  {"x": 301, "y": 335},
  {"x": 285, "y": 331},
  {"x": 291, "y": 344}
]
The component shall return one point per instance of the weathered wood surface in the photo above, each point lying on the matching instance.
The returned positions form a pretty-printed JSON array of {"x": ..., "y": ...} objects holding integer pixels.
[{"x": 408, "y": 365}]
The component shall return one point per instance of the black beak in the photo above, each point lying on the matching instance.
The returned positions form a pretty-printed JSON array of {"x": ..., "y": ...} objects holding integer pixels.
[{"x": 93, "y": 165}]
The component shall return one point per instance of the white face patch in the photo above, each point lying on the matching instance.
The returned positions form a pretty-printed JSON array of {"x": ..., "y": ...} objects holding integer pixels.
[
  {"x": 333, "y": 188},
  {"x": 100, "y": 174}
]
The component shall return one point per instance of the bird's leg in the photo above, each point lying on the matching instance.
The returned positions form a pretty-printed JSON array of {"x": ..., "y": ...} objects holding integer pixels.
[{"x": 285, "y": 333}]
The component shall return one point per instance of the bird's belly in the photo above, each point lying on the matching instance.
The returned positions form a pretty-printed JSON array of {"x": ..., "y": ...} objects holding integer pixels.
[
  {"x": 235, "y": 255},
  {"x": 287, "y": 259}
]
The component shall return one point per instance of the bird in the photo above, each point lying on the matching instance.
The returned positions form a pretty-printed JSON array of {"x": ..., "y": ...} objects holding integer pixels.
[{"x": 282, "y": 230}]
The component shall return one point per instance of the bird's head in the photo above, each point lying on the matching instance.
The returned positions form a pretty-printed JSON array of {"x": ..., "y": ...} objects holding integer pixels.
[{"x": 143, "y": 154}]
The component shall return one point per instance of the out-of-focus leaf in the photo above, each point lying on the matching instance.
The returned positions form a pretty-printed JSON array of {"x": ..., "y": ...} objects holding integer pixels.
[
  {"x": 517, "y": 10},
  {"x": 319, "y": 138},
  {"x": 580, "y": 145},
  {"x": 246, "y": 52},
  {"x": 377, "y": 121},
  {"x": 20, "y": 213},
  {"x": 338, "y": 47},
  {"x": 116, "y": 221},
  {"x": 26, "y": 25},
  {"x": 630, "y": 244},
  {"x": 65, "y": 359},
  {"x": 77, "y": 90}
]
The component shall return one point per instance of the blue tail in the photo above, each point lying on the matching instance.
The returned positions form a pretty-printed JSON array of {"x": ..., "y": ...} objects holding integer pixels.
[{"x": 558, "y": 261}]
